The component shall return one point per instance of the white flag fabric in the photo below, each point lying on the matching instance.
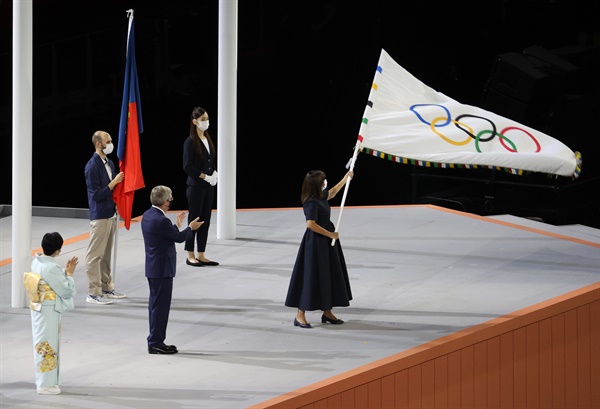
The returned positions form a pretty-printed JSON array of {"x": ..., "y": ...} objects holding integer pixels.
[{"x": 408, "y": 122}]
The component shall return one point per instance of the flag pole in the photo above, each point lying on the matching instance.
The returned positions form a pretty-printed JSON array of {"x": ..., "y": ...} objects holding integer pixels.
[
  {"x": 361, "y": 133},
  {"x": 130, "y": 17},
  {"x": 356, "y": 150},
  {"x": 115, "y": 247},
  {"x": 116, "y": 234}
]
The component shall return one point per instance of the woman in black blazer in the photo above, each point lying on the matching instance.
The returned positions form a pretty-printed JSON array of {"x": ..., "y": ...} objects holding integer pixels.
[{"x": 200, "y": 166}]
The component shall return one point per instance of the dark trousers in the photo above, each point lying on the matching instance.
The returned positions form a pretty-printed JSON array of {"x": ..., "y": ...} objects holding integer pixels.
[
  {"x": 159, "y": 306},
  {"x": 200, "y": 203}
]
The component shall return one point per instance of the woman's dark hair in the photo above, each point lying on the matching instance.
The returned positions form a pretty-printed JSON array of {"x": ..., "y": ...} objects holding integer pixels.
[
  {"x": 312, "y": 185},
  {"x": 51, "y": 242},
  {"x": 197, "y": 113}
]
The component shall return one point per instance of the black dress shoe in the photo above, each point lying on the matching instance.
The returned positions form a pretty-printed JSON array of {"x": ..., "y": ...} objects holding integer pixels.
[
  {"x": 208, "y": 263},
  {"x": 162, "y": 350},
  {"x": 325, "y": 319},
  {"x": 301, "y": 325},
  {"x": 165, "y": 346},
  {"x": 198, "y": 264}
]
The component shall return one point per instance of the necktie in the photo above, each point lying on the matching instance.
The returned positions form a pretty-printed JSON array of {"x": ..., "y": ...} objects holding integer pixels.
[{"x": 107, "y": 166}]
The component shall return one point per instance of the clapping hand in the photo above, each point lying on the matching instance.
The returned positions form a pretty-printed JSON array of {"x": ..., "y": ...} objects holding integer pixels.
[
  {"x": 71, "y": 264},
  {"x": 180, "y": 218}
]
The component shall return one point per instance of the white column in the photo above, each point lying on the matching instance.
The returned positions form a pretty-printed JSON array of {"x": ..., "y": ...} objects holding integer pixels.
[
  {"x": 226, "y": 120},
  {"x": 22, "y": 152}
]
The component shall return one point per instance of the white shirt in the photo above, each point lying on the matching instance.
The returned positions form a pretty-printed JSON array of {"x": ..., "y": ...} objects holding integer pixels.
[
  {"x": 205, "y": 142},
  {"x": 160, "y": 209},
  {"x": 107, "y": 166}
]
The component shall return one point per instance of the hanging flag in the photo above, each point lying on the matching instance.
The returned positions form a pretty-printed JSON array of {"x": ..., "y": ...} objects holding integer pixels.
[
  {"x": 130, "y": 128},
  {"x": 408, "y": 122}
]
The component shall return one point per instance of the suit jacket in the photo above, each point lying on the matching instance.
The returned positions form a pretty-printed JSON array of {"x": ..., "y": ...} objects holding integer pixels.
[
  {"x": 160, "y": 236},
  {"x": 100, "y": 197},
  {"x": 193, "y": 164}
]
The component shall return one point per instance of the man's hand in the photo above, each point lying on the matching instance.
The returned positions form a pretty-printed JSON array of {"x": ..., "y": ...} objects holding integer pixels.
[
  {"x": 118, "y": 179},
  {"x": 180, "y": 218},
  {"x": 195, "y": 224}
]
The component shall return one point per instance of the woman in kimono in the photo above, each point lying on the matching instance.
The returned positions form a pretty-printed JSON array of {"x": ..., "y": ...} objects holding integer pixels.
[
  {"x": 50, "y": 296},
  {"x": 319, "y": 278}
]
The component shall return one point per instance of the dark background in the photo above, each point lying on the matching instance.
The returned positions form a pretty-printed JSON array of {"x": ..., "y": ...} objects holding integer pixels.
[{"x": 304, "y": 73}]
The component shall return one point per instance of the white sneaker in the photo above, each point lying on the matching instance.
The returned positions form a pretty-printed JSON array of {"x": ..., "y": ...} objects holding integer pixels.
[
  {"x": 52, "y": 390},
  {"x": 112, "y": 294},
  {"x": 97, "y": 299}
]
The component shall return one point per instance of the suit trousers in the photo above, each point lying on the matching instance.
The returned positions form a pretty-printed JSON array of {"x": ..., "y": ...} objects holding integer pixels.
[
  {"x": 200, "y": 203},
  {"x": 98, "y": 255},
  {"x": 159, "y": 306}
]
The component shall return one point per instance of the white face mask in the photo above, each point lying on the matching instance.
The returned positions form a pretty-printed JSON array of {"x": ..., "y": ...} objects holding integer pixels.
[
  {"x": 202, "y": 125},
  {"x": 324, "y": 184},
  {"x": 109, "y": 148}
]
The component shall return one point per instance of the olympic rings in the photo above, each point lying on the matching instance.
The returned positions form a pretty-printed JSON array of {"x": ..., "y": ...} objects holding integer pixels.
[
  {"x": 493, "y": 132},
  {"x": 428, "y": 105},
  {"x": 537, "y": 144},
  {"x": 466, "y": 141},
  {"x": 504, "y": 140},
  {"x": 502, "y": 137}
]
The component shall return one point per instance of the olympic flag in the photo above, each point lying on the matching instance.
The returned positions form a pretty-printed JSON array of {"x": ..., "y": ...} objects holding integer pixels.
[
  {"x": 408, "y": 122},
  {"x": 130, "y": 128}
]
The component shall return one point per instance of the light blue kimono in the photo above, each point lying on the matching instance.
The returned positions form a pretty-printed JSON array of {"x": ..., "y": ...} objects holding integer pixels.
[{"x": 46, "y": 323}]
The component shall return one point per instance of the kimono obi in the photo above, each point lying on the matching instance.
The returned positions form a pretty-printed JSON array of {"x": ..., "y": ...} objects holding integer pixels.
[
  {"x": 37, "y": 290},
  {"x": 45, "y": 291}
]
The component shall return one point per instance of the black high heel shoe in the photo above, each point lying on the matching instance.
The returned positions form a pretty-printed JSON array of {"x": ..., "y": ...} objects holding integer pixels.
[
  {"x": 301, "y": 325},
  {"x": 325, "y": 319}
]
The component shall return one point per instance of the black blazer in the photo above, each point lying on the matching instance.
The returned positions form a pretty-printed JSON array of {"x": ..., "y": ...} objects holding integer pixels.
[{"x": 193, "y": 164}]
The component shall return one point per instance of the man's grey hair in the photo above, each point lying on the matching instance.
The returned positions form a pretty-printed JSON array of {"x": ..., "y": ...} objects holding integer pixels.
[{"x": 159, "y": 195}]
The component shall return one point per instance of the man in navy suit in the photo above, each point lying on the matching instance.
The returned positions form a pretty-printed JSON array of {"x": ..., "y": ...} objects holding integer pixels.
[
  {"x": 160, "y": 236},
  {"x": 101, "y": 179}
]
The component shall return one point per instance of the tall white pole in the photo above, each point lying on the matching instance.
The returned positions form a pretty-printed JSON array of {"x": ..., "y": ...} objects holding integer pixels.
[
  {"x": 346, "y": 187},
  {"x": 22, "y": 147},
  {"x": 226, "y": 120}
]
